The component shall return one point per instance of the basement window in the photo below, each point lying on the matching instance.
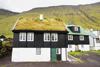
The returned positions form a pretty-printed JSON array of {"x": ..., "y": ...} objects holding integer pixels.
[
  {"x": 82, "y": 46},
  {"x": 69, "y": 46},
  {"x": 76, "y": 28},
  {"x": 46, "y": 36},
  {"x": 38, "y": 51},
  {"x": 22, "y": 36},
  {"x": 70, "y": 37},
  {"x": 54, "y": 37},
  {"x": 81, "y": 37},
  {"x": 30, "y": 36}
]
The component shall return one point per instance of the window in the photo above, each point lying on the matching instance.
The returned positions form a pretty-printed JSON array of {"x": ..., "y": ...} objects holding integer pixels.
[
  {"x": 81, "y": 37},
  {"x": 30, "y": 36},
  {"x": 97, "y": 40},
  {"x": 22, "y": 36},
  {"x": 70, "y": 37},
  {"x": 70, "y": 46},
  {"x": 76, "y": 28},
  {"x": 58, "y": 51},
  {"x": 54, "y": 37},
  {"x": 38, "y": 51},
  {"x": 46, "y": 36},
  {"x": 82, "y": 46}
]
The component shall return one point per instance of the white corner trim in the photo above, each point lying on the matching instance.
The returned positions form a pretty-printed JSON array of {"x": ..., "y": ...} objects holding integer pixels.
[{"x": 15, "y": 24}]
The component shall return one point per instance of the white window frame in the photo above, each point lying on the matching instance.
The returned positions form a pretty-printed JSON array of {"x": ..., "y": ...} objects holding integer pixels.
[
  {"x": 21, "y": 33},
  {"x": 47, "y": 39},
  {"x": 69, "y": 46},
  {"x": 82, "y": 46},
  {"x": 59, "y": 51},
  {"x": 76, "y": 28},
  {"x": 31, "y": 34},
  {"x": 80, "y": 37},
  {"x": 69, "y": 36},
  {"x": 55, "y": 35},
  {"x": 39, "y": 52}
]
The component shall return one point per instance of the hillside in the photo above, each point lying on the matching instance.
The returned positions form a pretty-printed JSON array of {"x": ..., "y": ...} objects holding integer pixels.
[
  {"x": 5, "y": 13},
  {"x": 87, "y": 16}
]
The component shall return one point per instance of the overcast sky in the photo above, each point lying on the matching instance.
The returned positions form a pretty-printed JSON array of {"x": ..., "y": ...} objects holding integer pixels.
[{"x": 24, "y": 5}]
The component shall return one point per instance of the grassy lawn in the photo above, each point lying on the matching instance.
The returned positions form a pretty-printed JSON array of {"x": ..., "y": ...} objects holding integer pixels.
[{"x": 78, "y": 53}]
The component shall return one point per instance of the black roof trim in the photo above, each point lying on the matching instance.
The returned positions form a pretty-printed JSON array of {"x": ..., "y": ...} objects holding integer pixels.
[{"x": 39, "y": 31}]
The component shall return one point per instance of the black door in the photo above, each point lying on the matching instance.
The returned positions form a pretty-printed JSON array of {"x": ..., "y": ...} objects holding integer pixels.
[{"x": 58, "y": 54}]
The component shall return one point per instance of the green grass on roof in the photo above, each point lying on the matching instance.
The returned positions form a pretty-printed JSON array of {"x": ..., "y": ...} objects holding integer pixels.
[{"x": 36, "y": 24}]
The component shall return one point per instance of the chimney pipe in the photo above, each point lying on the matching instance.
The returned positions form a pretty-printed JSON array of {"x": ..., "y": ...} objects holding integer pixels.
[
  {"x": 41, "y": 16},
  {"x": 91, "y": 29}
]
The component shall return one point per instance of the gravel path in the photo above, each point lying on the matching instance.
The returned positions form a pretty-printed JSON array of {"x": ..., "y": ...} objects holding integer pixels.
[{"x": 93, "y": 60}]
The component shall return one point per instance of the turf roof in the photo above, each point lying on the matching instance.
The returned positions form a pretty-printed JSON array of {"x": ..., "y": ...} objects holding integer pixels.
[
  {"x": 36, "y": 24},
  {"x": 82, "y": 31}
]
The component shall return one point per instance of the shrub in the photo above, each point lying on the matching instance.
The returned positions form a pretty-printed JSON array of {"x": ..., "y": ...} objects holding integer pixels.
[
  {"x": 58, "y": 19},
  {"x": 98, "y": 50},
  {"x": 71, "y": 51},
  {"x": 79, "y": 50}
]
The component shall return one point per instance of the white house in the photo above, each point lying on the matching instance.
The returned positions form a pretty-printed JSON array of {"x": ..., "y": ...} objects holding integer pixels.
[
  {"x": 94, "y": 40},
  {"x": 2, "y": 37}
]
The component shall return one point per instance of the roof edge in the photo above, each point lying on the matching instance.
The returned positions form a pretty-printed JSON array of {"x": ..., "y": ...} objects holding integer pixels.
[{"x": 15, "y": 24}]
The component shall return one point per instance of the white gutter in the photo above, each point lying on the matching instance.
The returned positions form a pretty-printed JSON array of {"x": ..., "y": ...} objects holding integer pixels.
[{"x": 15, "y": 24}]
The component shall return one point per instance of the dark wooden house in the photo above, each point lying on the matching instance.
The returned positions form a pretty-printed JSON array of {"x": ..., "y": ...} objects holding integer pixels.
[{"x": 36, "y": 40}]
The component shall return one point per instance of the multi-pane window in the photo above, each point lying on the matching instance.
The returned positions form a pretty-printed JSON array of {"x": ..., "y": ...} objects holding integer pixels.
[
  {"x": 22, "y": 36},
  {"x": 82, "y": 46},
  {"x": 58, "y": 51},
  {"x": 46, "y": 36},
  {"x": 76, "y": 28},
  {"x": 70, "y": 37},
  {"x": 81, "y": 37},
  {"x": 30, "y": 36},
  {"x": 97, "y": 40},
  {"x": 38, "y": 51},
  {"x": 54, "y": 37},
  {"x": 70, "y": 46}
]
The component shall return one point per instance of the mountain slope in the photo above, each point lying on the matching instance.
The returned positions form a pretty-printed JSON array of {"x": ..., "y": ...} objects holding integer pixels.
[
  {"x": 87, "y": 16},
  {"x": 5, "y": 13}
]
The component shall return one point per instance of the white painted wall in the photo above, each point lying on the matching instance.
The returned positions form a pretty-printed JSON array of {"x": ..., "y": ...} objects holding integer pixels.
[
  {"x": 96, "y": 44},
  {"x": 64, "y": 54},
  {"x": 73, "y": 48},
  {"x": 29, "y": 55},
  {"x": 91, "y": 40},
  {"x": 94, "y": 48},
  {"x": 95, "y": 32},
  {"x": 86, "y": 48},
  {"x": 1, "y": 39}
]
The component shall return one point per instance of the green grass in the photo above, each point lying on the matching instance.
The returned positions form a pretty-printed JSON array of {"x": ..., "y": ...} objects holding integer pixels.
[
  {"x": 76, "y": 53},
  {"x": 79, "y": 60},
  {"x": 89, "y": 17},
  {"x": 36, "y": 24}
]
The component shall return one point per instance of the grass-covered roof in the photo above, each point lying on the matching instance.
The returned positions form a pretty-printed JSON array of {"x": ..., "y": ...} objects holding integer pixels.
[{"x": 37, "y": 24}]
